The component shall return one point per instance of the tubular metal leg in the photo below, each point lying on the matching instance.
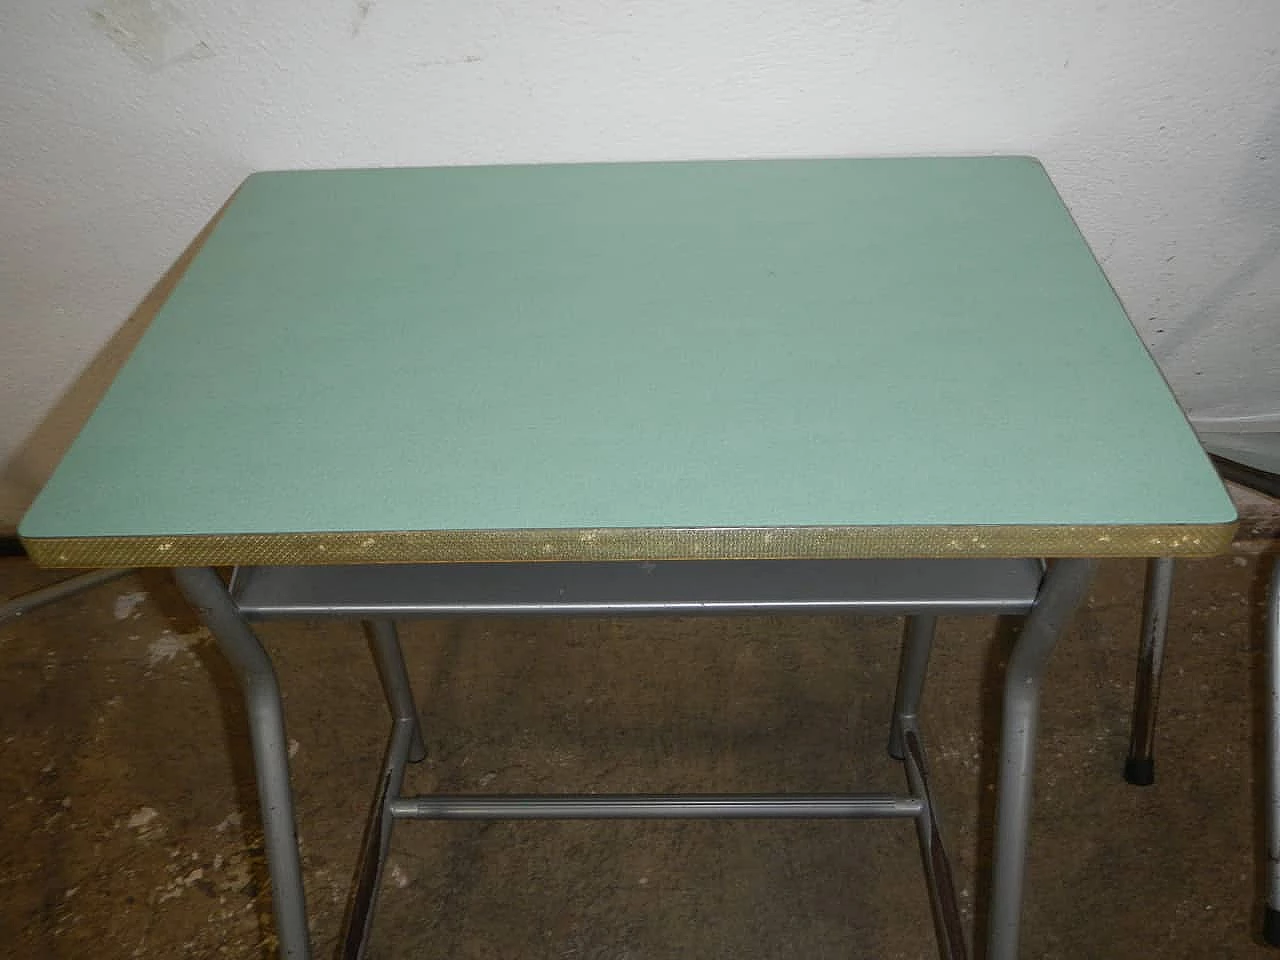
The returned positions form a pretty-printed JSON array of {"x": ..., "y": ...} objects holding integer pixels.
[
  {"x": 1064, "y": 586},
  {"x": 242, "y": 648},
  {"x": 395, "y": 682},
  {"x": 377, "y": 841},
  {"x": 1271, "y": 929},
  {"x": 1139, "y": 766},
  {"x": 912, "y": 668},
  {"x": 937, "y": 866},
  {"x": 67, "y": 588}
]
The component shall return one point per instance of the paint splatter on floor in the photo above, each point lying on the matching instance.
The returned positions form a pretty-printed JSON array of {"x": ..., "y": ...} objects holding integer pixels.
[
  {"x": 168, "y": 645},
  {"x": 127, "y": 603}
]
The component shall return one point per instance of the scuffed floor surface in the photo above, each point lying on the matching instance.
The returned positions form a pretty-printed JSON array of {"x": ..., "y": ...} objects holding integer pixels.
[{"x": 130, "y": 825}]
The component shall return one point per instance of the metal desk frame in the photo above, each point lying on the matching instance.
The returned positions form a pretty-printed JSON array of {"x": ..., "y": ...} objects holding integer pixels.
[{"x": 921, "y": 590}]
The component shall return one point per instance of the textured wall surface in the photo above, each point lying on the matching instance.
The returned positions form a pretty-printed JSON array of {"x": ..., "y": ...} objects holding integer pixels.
[{"x": 124, "y": 124}]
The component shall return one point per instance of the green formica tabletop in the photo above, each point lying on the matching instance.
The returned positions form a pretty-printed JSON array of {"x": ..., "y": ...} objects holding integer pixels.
[{"x": 746, "y": 359}]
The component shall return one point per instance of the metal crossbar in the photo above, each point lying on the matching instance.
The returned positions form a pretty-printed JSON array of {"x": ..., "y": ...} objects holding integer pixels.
[{"x": 653, "y": 806}]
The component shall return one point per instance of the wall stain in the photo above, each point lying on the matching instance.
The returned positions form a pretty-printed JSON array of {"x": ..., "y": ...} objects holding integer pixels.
[
  {"x": 363, "y": 9},
  {"x": 452, "y": 61},
  {"x": 153, "y": 33}
]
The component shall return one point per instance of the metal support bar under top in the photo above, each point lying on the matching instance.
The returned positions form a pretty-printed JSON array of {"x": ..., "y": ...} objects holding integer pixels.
[{"x": 669, "y": 587}]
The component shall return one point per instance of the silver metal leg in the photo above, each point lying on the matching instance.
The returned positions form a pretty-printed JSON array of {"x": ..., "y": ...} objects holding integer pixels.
[
  {"x": 389, "y": 657},
  {"x": 58, "y": 591},
  {"x": 377, "y": 841},
  {"x": 937, "y": 866},
  {"x": 405, "y": 746},
  {"x": 914, "y": 664},
  {"x": 1139, "y": 766},
  {"x": 242, "y": 648},
  {"x": 1064, "y": 586},
  {"x": 1271, "y": 929}
]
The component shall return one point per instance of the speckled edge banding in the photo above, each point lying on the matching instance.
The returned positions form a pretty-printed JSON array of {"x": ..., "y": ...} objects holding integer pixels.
[{"x": 683, "y": 543}]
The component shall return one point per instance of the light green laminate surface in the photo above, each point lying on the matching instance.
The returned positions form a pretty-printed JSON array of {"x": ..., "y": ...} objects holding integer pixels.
[{"x": 772, "y": 358}]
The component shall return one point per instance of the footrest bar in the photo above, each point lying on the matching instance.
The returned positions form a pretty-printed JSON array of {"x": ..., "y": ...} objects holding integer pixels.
[{"x": 740, "y": 806}]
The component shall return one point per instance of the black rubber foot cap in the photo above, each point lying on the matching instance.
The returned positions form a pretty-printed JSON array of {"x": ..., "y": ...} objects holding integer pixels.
[
  {"x": 1271, "y": 927},
  {"x": 1140, "y": 771}
]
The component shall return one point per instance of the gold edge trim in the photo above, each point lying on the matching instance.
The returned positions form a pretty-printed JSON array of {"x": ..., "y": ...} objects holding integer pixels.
[{"x": 698, "y": 543}]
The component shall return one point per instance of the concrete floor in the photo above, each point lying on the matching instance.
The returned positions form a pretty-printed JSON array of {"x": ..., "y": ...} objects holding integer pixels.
[{"x": 129, "y": 814}]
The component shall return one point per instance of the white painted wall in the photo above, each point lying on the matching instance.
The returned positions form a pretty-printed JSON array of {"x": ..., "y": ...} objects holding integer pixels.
[{"x": 125, "y": 123}]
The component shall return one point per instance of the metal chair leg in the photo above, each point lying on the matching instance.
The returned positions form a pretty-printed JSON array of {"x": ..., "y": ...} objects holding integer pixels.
[
  {"x": 1271, "y": 927},
  {"x": 389, "y": 657},
  {"x": 912, "y": 668},
  {"x": 1140, "y": 766},
  {"x": 242, "y": 648},
  {"x": 1064, "y": 586}
]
